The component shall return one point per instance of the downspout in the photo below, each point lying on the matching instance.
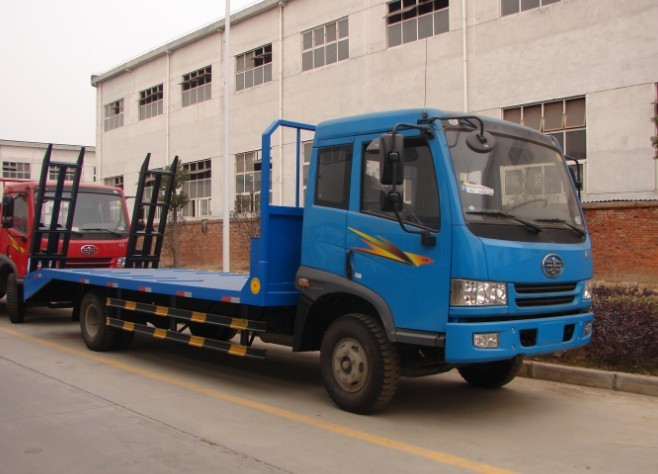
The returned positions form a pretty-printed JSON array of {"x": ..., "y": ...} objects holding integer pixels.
[
  {"x": 167, "y": 109},
  {"x": 464, "y": 56},
  {"x": 282, "y": 3},
  {"x": 226, "y": 229},
  {"x": 99, "y": 132}
]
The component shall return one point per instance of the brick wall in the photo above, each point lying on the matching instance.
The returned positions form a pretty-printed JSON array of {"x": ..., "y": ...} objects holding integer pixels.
[{"x": 624, "y": 243}]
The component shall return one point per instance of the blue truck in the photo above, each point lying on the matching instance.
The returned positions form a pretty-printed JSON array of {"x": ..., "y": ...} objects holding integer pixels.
[{"x": 427, "y": 241}]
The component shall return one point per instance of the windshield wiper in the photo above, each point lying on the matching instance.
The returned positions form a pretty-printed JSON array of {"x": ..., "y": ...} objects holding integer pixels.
[
  {"x": 505, "y": 215},
  {"x": 98, "y": 229},
  {"x": 578, "y": 230}
]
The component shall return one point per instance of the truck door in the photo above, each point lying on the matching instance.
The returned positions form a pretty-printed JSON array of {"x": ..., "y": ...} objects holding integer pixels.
[
  {"x": 411, "y": 275},
  {"x": 328, "y": 198},
  {"x": 16, "y": 232}
]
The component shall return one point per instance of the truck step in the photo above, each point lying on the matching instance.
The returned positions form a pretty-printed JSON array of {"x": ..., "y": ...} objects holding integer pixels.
[
  {"x": 196, "y": 341},
  {"x": 188, "y": 316}
]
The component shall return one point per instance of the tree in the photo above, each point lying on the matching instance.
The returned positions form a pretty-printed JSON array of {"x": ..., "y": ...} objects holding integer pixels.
[
  {"x": 245, "y": 218},
  {"x": 175, "y": 218}
]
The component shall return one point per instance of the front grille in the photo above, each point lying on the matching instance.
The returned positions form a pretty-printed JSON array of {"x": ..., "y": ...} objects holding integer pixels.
[
  {"x": 548, "y": 301},
  {"x": 523, "y": 288},
  {"x": 544, "y": 294},
  {"x": 88, "y": 263}
]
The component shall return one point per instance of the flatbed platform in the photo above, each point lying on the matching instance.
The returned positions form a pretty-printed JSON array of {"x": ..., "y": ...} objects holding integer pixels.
[{"x": 207, "y": 285}]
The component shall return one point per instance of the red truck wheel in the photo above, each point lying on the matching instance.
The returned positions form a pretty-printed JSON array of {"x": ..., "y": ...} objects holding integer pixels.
[
  {"x": 360, "y": 367},
  {"x": 96, "y": 334},
  {"x": 15, "y": 305}
]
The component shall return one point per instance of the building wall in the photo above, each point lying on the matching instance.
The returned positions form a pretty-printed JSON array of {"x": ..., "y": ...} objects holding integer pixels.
[
  {"x": 573, "y": 48},
  {"x": 603, "y": 50},
  {"x": 33, "y": 153}
]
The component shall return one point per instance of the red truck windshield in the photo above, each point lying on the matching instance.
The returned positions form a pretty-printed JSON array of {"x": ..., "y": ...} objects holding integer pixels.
[{"x": 97, "y": 212}]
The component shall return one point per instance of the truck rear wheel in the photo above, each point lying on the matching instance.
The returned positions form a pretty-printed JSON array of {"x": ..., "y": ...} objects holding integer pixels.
[
  {"x": 15, "y": 305},
  {"x": 96, "y": 334},
  {"x": 492, "y": 374},
  {"x": 360, "y": 367}
]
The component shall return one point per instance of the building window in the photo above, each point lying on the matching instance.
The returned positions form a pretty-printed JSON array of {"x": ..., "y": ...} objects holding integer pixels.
[
  {"x": 197, "y": 86},
  {"x": 563, "y": 119},
  {"x": 114, "y": 115},
  {"x": 197, "y": 188},
  {"x": 253, "y": 68},
  {"x": 510, "y": 7},
  {"x": 325, "y": 44},
  {"x": 116, "y": 181},
  {"x": 15, "y": 170},
  {"x": 53, "y": 174},
  {"x": 411, "y": 20},
  {"x": 151, "y": 102},
  {"x": 247, "y": 182}
]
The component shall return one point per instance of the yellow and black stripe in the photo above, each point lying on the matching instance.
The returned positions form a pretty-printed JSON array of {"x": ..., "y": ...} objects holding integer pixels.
[
  {"x": 189, "y": 316},
  {"x": 196, "y": 341}
]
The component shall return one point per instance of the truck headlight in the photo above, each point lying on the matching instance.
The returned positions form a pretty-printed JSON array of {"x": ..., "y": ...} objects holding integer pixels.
[
  {"x": 478, "y": 293},
  {"x": 587, "y": 291},
  {"x": 121, "y": 262}
]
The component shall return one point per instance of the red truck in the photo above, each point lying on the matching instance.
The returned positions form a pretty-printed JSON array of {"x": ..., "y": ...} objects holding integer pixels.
[{"x": 98, "y": 236}]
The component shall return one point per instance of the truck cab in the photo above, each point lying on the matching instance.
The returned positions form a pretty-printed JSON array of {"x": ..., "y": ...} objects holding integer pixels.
[
  {"x": 461, "y": 236},
  {"x": 99, "y": 233}
]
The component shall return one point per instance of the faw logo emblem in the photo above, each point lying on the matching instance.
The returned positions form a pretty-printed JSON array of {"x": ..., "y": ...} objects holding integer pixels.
[{"x": 88, "y": 250}]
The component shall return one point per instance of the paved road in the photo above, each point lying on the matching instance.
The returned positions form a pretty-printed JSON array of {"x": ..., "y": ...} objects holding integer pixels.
[{"x": 160, "y": 407}]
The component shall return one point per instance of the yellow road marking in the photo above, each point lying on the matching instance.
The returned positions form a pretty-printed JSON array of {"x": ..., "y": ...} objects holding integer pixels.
[{"x": 377, "y": 440}]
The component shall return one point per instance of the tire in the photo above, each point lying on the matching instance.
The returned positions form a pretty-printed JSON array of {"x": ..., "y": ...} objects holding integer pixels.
[
  {"x": 210, "y": 331},
  {"x": 15, "y": 305},
  {"x": 492, "y": 374},
  {"x": 96, "y": 334},
  {"x": 360, "y": 367}
]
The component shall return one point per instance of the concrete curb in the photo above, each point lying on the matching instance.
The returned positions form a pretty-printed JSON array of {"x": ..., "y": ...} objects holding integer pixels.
[{"x": 622, "y": 382}]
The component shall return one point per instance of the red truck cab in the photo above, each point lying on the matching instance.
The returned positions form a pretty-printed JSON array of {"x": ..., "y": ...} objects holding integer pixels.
[{"x": 99, "y": 234}]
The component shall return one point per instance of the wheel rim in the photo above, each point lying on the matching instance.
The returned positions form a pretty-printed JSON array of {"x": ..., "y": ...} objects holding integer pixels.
[
  {"x": 92, "y": 320},
  {"x": 350, "y": 365}
]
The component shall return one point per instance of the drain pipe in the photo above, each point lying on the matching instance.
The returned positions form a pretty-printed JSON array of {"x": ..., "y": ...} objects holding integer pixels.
[{"x": 464, "y": 56}]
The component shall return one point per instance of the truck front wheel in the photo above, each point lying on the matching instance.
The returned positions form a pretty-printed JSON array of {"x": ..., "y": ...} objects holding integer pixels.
[
  {"x": 15, "y": 305},
  {"x": 360, "y": 367},
  {"x": 96, "y": 334},
  {"x": 492, "y": 374}
]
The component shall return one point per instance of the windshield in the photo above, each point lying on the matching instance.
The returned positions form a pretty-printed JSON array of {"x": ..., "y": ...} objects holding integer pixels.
[
  {"x": 518, "y": 183},
  {"x": 94, "y": 212}
]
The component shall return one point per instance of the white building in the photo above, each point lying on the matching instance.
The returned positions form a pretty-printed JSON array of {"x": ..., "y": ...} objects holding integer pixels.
[
  {"x": 583, "y": 70},
  {"x": 23, "y": 160}
]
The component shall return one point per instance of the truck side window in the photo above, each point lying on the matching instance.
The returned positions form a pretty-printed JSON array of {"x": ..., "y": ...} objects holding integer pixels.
[
  {"x": 332, "y": 185},
  {"x": 20, "y": 214},
  {"x": 421, "y": 196}
]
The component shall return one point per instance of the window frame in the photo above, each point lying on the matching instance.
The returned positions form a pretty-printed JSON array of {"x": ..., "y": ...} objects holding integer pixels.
[
  {"x": 114, "y": 112},
  {"x": 335, "y": 41},
  {"x": 404, "y": 18},
  {"x": 513, "y": 7},
  {"x": 344, "y": 202},
  {"x": 196, "y": 86},
  {"x": 151, "y": 102},
  {"x": 16, "y": 170},
  {"x": 199, "y": 177},
  {"x": 259, "y": 72}
]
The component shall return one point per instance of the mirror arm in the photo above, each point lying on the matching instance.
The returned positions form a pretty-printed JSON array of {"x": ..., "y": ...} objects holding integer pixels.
[{"x": 426, "y": 237}]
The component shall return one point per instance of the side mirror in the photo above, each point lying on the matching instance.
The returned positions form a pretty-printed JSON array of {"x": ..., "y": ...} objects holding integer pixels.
[
  {"x": 391, "y": 159},
  {"x": 7, "y": 212}
]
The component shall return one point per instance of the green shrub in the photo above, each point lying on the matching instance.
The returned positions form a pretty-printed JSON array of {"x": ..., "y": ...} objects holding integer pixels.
[{"x": 625, "y": 335}]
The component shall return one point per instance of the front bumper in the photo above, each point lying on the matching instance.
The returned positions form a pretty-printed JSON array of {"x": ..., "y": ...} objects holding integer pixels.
[{"x": 519, "y": 337}]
